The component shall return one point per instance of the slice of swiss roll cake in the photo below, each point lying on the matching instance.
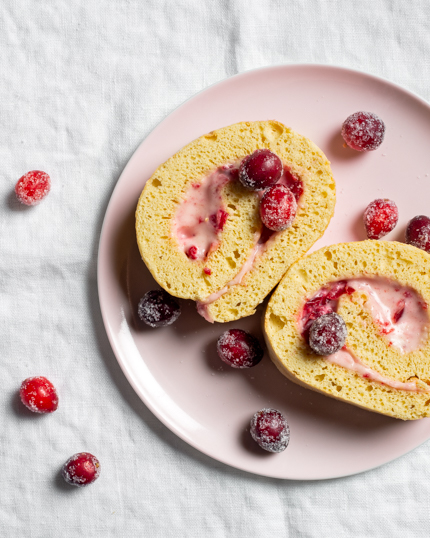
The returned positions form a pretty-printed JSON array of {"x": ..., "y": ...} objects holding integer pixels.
[
  {"x": 198, "y": 222},
  {"x": 351, "y": 321}
]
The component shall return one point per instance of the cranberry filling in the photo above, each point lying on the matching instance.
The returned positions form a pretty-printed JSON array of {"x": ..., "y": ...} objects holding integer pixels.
[{"x": 323, "y": 303}]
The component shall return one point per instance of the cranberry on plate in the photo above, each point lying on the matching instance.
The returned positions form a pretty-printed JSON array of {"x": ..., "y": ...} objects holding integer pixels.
[
  {"x": 278, "y": 208},
  {"x": 32, "y": 187},
  {"x": 380, "y": 217},
  {"x": 363, "y": 131},
  {"x": 418, "y": 232},
  {"x": 327, "y": 334},
  {"x": 39, "y": 395},
  {"x": 239, "y": 349},
  {"x": 157, "y": 308},
  {"x": 260, "y": 170},
  {"x": 81, "y": 469},
  {"x": 270, "y": 430}
]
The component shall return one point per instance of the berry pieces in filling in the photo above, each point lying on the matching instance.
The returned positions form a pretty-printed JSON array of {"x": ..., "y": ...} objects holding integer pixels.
[
  {"x": 399, "y": 313},
  {"x": 363, "y": 131},
  {"x": 201, "y": 216},
  {"x": 380, "y": 217}
]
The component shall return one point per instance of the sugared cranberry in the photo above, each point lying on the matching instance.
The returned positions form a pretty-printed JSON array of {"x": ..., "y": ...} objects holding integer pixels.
[
  {"x": 260, "y": 170},
  {"x": 157, "y": 308},
  {"x": 39, "y": 395},
  {"x": 32, "y": 187},
  {"x": 363, "y": 131},
  {"x": 270, "y": 430},
  {"x": 278, "y": 208},
  {"x": 380, "y": 217},
  {"x": 239, "y": 349},
  {"x": 81, "y": 469},
  {"x": 418, "y": 232},
  {"x": 327, "y": 334}
]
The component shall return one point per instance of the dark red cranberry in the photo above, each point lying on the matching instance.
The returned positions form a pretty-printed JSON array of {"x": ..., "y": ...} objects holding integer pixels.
[
  {"x": 380, "y": 217},
  {"x": 157, "y": 308},
  {"x": 81, "y": 469},
  {"x": 399, "y": 311},
  {"x": 418, "y": 232},
  {"x": 278, "y": 208},
  {"x": 32, "y": 187},
  {"x": 239, "y": 349},
  {"x": 293, "y": 183},
  {"x": 363, "y": 131},
  {"x": 260, "y": 170},
  {"x": 270, "y": 430},
  {"x": 39, "y": 395},
  {"x": 327, "y": 334}
]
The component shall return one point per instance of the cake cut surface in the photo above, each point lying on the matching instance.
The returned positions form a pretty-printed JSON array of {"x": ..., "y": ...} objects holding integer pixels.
[
  {"x": 385, "y": 364},
  {"x": 185, "y": 272}
]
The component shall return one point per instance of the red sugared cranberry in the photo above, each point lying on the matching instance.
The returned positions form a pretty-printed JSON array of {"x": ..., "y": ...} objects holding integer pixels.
[
  {"x": 239, "y": 349},
  {"x": 39, "y": 395},
  {"x": 32, "y": 187},
  {"x": 260, "y": 170},
  {"x": 157, "y": 308},
  {"x": 270, "y": 430},
  {"x": 278, "y": 208},
  {"x": 81, "y": 469},
  {"x": 327, "y": 334},
  {"x": 380, "y": 217},
  {"x": 418, "y": 232},
  {"x": 363, "y": 131}
]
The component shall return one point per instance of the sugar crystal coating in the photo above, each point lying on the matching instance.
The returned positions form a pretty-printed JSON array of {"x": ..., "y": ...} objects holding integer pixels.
[
  {"x": 39, "y": 395},
  {"x": 270, "y": 430},
  {"x": 380, "y": 217},
  {"x": 239, "y": 349},
  {"x": 278, "y": 208},
  {"x": 32, "y": 187},
  {"x": 260, "y": 170},
  {"x": 363, "y": 131},
  {"x": 157, "y": 308},
  {"x": 327, "y": 334},
  {"x": 81, "y": 469},
  {"x": 418, "y": 232}
]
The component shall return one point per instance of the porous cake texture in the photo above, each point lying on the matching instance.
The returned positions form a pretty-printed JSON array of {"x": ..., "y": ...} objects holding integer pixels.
[
  {"x": 163, "y": 192},
  {"x": 288, "y": 349}
]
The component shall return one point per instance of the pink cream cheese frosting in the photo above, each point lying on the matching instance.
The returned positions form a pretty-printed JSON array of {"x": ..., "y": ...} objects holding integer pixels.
[
  {"x": 201, "y": 216},
  {"x": 399, "y": 313}
]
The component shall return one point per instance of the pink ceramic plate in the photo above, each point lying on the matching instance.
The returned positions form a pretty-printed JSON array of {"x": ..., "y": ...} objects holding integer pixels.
[{"x": 175, "y": 370}]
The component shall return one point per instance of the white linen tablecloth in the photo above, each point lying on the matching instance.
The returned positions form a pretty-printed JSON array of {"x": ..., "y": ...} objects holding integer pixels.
[{"x": 81, "y": 84}]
